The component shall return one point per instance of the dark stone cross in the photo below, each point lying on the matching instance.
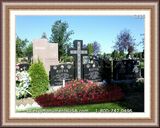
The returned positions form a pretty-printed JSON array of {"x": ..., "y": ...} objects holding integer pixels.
[{"x": 78, "y": 51}]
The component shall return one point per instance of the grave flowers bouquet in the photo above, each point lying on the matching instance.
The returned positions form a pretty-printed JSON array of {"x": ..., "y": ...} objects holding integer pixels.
[
  {"x": 80, "y": 92},
  {"x": 22, "y": 84}
]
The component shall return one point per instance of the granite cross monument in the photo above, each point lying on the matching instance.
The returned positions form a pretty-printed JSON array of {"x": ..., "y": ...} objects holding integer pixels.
[{"x": 78, "y": 51}]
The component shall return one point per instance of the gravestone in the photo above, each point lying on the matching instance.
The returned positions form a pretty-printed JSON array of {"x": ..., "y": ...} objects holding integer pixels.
[
  {"x": 105, "y": 69},
  {"x": 91, "y": 72},
  {"x": 60, "y": 72},
  {"x": 126, "y": 69},
  {"x": 97, "y": 71},
  {"x": 23, "y": 66},
  {"x": 78, "y": 52},
  {"x": 46, "y": 52}
]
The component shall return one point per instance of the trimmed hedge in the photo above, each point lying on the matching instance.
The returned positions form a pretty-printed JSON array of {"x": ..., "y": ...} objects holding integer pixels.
[
  {"x": 80, "y": 92},
  {"x": 39, "y": 79}
]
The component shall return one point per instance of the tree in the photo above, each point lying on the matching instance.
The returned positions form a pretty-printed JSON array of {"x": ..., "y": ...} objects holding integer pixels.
[
  {"x": 90, "y": 49},
  {"x": 96, "y": 47},
  {"x": 115, "y": 55},
  {"x": 44, "y": 35},
  {"x": 121, "y": 55},
  {"x": 93, "y": 48},
  {"x": 20, "y": 47},
  {"x": 29, "y": 51},
  {"x": 125, "y": 42},
  {"x": 39, "y": 79},
  {"x": 142, "y": 41},
  {"x": 61, "y": 35}
]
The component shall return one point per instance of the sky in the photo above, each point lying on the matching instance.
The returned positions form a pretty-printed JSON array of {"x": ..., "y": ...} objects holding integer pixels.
[{"x": 103, "y": 29}]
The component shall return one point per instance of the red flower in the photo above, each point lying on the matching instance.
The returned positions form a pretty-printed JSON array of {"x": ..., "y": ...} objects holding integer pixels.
[{"x": 80, "y": 92}]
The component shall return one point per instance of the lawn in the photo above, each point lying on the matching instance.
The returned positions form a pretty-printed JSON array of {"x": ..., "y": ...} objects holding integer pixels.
[{"x": 102, "y": 107}]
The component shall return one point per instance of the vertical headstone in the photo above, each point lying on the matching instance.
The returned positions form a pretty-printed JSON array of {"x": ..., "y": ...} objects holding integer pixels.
[
  {"x": 46, "y": 52},
  {"x": 78, "y": 52},
  {"x": 105, "y": 68},
  {"x": 23, "y": 66}
]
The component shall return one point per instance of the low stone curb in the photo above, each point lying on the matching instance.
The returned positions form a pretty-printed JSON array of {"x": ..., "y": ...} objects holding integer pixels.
[{"x": 22, "y": 106}]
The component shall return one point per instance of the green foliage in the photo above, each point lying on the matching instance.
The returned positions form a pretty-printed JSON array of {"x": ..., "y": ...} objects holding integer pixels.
[
  {"x": 61, "y": 36},
  {"x": 90, "y": 49},
  {"x": 29, "y": 51},
  {"x": 23, "y": 49},
  {"x": 20, "y": 47},
  {"x": 121, "y": 55},
  {"x": 44, "y": 36},
  {"x": 39, "y": 79},
  {"x": 139, "y": 55},
  {"x": 116, "y": 55},
  {"x": 93, "y": 48},
  {"x": 67, "y": 58},
  {"x": 142, "y": 64}
]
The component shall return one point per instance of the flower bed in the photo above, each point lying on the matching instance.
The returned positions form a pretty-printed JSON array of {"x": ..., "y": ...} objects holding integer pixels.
[
  {"x": 80, "y": 92},
  {"x": 22, "y": 84}
]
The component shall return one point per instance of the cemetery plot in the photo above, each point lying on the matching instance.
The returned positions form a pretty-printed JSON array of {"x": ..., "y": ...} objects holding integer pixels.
[
  {"x": 126, "y": 70},
  {"x": 91, "y": 72},
  {"x": 61, "y": 72},
  {"x": 100, "y": 69}
]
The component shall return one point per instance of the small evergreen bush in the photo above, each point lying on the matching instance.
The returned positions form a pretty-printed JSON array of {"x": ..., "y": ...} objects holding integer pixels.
[{"x": 39, "y": 79}]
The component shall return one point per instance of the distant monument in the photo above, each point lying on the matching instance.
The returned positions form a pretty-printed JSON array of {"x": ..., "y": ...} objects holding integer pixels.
[{"x": 46, "y": 52}]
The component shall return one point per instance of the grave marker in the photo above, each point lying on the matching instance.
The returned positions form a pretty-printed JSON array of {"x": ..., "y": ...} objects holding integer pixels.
[
  {"x": 92, "y": 72},
  {"x": 78, "y": 52},
  {"x": 46, "y": 52},
  {"x": 126, "y": 70},
  {"x": 59, "y": 73}
]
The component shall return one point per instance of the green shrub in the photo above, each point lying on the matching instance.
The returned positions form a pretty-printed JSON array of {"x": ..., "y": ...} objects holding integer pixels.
[{"x": 39, "y": 79}]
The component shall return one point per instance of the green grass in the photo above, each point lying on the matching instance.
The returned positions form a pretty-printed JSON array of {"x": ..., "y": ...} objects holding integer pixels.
[
  {"x": 133, "y": 102},
  {"x": 103, "y": 107}
]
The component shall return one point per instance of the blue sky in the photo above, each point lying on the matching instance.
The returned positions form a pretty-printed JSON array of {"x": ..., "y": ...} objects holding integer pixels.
[{"x": 103, "y": 29}]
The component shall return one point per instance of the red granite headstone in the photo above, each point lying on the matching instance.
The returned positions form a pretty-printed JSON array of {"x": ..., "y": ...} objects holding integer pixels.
[{"x": 46, "y": 52}]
